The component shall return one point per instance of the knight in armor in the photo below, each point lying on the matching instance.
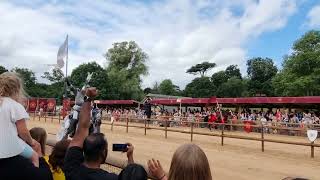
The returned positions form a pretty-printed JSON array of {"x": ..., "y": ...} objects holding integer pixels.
[
  {"x": 74, "y": 115},
  {"x": 70, "y": 123},
  {"x": 96, "y": 115}
]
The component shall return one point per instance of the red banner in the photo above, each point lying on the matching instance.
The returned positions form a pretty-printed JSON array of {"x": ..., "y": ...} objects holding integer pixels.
[
  {"x": 32, "y": 106},
  {"x": 43, "y": 104},
  {"x": 51, "y": 106},
  {"x": 65, "y": 107}
]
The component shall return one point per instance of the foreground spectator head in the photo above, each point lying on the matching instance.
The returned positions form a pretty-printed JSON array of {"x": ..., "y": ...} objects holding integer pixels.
[
  {"x": 294, "y": 178},
  {"x": 56, "y": 158},
  {"x": 39, "y": 134},
  {"x": 11, "y": 85},
  {"x": 95, "y": 148},
  {"x": 189, "y": 162},
  {"x": 133, "y": 172}
]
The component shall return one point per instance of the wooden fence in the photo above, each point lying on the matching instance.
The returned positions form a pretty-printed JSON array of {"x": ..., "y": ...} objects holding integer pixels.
[{"x": 192, "y": 124}]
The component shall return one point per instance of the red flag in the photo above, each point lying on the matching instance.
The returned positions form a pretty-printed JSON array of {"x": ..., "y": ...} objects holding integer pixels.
[
  {"x": 32, "y": 104},
  {"x": 51, "y": 105},
  {"x": 65, "y": 107},
  {"x": 42, "y": 103},
  {"x": 247, "y": 127}
]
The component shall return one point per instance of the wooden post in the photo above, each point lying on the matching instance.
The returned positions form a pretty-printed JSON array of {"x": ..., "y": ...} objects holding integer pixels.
[
  {"x": 34, "y": 115},
  {"x": 59, "y": 117},
  {"x": 39, "y": 115},
  {"x": 112, "y": 126},
  {"x": 145, "y": 127},
  {"x": 312, "y": 149},
  {"x": 222, "y": 135},
  {"x": 52, "y": 116},
  {"x": 127, "y": 124},
  {"x": 231, "y": 126},
  {"x": 165, "y": 128},
  {"x": 262, "y": 137},
  {"x": 191, "y": 131},
  {"x": 45, "y": 117}
]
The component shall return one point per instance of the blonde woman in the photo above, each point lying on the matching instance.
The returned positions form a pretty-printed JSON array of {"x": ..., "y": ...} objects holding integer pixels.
[
  {"x": 189, "y": 162},
  {"x": 15, "y": 138}
]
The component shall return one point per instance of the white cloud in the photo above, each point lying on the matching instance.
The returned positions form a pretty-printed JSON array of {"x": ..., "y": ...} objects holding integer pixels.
[
  {"x": 176, "y": 34},
  {"x": 314, "y": 17}
]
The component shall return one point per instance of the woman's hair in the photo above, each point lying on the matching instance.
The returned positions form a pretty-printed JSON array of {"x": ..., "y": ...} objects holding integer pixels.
[
  {"x": 56, "y": 158},
  {"x": 40, "y": 135},
  {"x": 189, "y": 162},
  {"x": 133, "y": 172},
  {"x": 11, "y": 85}
]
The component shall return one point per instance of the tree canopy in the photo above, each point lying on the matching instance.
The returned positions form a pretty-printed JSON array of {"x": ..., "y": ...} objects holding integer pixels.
[
  {"x": 55, "y": 76},
  {"x": 229, "y": 83},
  {"x": 260, "y": 72},
  {"x": 200, "y": 87},
  {"x": 27, "y": 75},
  {"x": 233, "y": 87},
  {"x": 301, "y": 69},
  {"x": 168, "y": 88},
  {"x": 233, "y": 71},
  {"x": 127, "y": 56},
  {"x": 2, "y": 69},
  {"x": 126, "y": 64},
  {"x": 219, "y": 77},
  {"x": 99, "y": 77},
  {"x": 201, "y": 68}
]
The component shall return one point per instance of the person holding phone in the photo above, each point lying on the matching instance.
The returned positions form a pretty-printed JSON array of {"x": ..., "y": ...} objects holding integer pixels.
[{"x": 87, "y": 152}]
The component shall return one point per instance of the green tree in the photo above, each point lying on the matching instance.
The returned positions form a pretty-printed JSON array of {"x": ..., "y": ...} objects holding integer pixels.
[
  {"x": 218, "y": 78},
  {"x": 128, "y": 56},
  {"x": 200, "y": 87},
  {"x": 201, "y": 68},
  {"x": 301, "y": 69},
  {"x": 168, "y": 88},
  {"x": 155, "y": 88},
  {"x": 31, "y": 86},
  {"x": 260, "y": 72},
  {"x": 234, "y": 87},
  {"x": 99, "y": 77},
  {"x": 147, "y": 90},
  {"x": 233, "y": 71},
  {"x": 126, "y": 65},
  {"x": 27, "y": 75},
  {"x": 55, "y": 76},
  {"x": 2, "y": 69}
]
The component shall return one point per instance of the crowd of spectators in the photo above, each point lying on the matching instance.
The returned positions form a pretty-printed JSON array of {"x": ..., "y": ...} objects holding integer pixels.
[{"x": 205, "y": 117}]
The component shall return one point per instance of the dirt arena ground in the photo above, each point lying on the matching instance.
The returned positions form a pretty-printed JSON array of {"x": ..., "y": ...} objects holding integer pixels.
[{"x": 237, "y": 159}]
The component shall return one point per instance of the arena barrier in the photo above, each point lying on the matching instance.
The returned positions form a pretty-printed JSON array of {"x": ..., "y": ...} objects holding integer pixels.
[{"x": 222, "y": 127}]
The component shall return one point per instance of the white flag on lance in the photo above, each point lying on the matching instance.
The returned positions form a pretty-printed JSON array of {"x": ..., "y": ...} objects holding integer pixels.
[{"x": 62, "y": 53}]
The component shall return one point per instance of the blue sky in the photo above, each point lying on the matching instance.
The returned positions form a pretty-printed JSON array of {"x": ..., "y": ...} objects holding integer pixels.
[
  {"x": 176, "y": 34},
  {"x": 278, "y": 43}
]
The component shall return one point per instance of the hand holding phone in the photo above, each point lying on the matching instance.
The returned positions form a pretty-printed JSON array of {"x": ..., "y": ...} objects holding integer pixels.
[{"x": 120, "y": 147}]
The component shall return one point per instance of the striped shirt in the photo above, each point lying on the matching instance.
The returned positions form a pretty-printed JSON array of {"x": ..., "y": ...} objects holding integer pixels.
[{"x": 10, "y": 112}]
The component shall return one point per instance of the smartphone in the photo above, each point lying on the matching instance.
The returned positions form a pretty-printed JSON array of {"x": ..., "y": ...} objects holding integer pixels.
[{"x": 120, "y": 147}]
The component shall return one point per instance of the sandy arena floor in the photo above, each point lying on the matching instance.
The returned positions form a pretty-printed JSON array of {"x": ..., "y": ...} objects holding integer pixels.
[{"x": 237, "y": 159}]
